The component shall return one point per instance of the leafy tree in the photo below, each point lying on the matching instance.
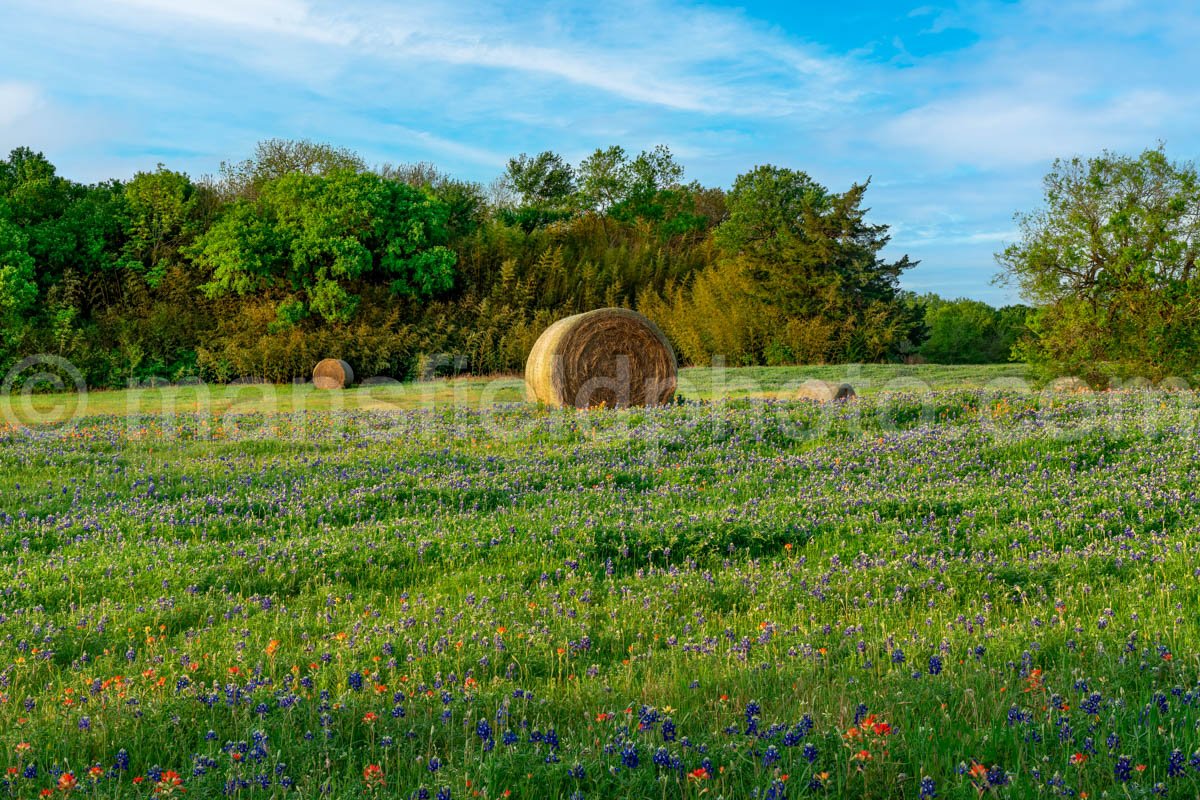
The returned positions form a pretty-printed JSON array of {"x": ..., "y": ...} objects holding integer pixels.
[
  {"x": 68, "y": 227},
  {"x": 299, "y": 251},
  {"x": 18, "y": 287},
  {"x": 1012, "y": 323},
  {"x": 645, "y": 187},
  {"x": 312, "y": 237},
  {"x": 1110, "y": 264},
  {"x": 960, "y": 332},
  {"x": 604, "y": 179},
  {"x": 654, "y": 192},
  {"x": 544, "y": 181},
  {"x": 275, "y": 158},
  {"x": 418, "y": 174},
  {"x": 161, "y": 218},
  {"x": 812, "y": 256}
]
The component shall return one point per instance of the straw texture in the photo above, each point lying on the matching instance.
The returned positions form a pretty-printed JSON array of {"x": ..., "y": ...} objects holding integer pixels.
[
  {"x": 611, "y": 357},
  {"x": 332, "y": 373}
]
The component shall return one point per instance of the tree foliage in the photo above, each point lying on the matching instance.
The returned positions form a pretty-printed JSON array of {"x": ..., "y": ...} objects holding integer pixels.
[
  {"x": 970, "y": 332},
  {"x": 809, "y": 263},
  {"x": 301, "y": 252},
  {"x": 313, "y": 237},
  {"x": 277, "y": 158},
  {"x": 1110, "y": 264}
]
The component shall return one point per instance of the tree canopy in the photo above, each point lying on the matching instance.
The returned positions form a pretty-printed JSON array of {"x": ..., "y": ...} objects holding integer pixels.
[
  {"x": 302, "y": 251},
  {"x": 311, "y": 237},
  {"x": 1109, "y": 262}
]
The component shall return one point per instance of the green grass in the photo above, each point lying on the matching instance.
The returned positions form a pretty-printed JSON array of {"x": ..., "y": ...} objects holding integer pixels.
[
  {"x": 695, "y": 383},
  {"x": 1007, "y": 580}
]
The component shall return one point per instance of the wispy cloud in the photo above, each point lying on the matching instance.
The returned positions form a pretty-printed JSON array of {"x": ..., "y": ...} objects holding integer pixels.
[
  {"x": 695, "y": 60},
  {"x": 292, "y": 18},
  {"x": 17, "y": 102},
  {"x": 997, "y": 129}
]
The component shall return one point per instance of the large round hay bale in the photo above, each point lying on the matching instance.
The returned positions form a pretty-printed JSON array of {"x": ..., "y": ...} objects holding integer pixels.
[
  {"x": 825, "y": 391},
  {"x": 332, "y": 373},
  {"x": 611, "y": 356}
]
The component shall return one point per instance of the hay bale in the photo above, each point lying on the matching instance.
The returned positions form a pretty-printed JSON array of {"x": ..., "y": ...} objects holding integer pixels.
[
  {"x": 332, "y": 373},
  {"x": 1069, "y": 384},
  {"x": 1137, "y": 384},
  {"x": 1174, "y": 384},
  {"x": 610, "y": 356},
  {"x": 825, "y": 391}
]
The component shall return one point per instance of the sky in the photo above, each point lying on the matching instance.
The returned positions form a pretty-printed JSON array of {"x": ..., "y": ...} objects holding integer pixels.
[{"x": 955, "y": 110}]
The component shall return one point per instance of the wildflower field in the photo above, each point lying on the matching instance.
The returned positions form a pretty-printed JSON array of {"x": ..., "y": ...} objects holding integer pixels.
[{"x": 940, "y": 595}]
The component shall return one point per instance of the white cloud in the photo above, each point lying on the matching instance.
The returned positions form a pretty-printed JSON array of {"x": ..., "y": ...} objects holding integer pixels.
[
  {"x": 293, "y": 18},
  {"x": 662, "y": 55},
  {"x": 18, "y": 101},
  {"x": 28, "y": 118},
  {"x": 1023, "y": 125}
]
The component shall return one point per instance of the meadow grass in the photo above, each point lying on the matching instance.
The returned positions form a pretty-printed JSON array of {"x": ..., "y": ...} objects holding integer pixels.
[
  {"x": 695, "y": 383},
  {"x": 945, "y": 594}
]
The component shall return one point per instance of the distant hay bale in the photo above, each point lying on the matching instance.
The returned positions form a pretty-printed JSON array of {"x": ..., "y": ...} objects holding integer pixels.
[
  {"x": 1069, "y": 385},
  {"x": 825, "y": 391},
  {"x": 380, "y": 380},
  {"x": 611, "y": 356},
  {"x": 1137, "y": 384},
  {"x": 1174, "y": 384},
  {"x": 332, "y": 373}
]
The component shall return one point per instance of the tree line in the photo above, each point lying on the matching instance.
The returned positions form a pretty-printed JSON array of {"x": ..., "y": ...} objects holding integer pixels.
[{"x": 302, "y": 252}]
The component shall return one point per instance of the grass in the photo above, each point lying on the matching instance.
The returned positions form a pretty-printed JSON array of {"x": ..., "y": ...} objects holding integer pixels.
[
  {"x": 695, "y": 383},
  {"x": 962, "y": 591}
]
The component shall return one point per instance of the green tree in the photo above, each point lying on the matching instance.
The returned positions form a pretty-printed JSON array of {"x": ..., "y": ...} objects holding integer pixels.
[
  {"x": 311, "y": 238},
  {"x": 1012, "y": 323},
  {"x": 604, "y": 179},
  {"x": 653, "y": 191},
  {"x": 1109, "y": 262},
  {"x": 161, "y": 218},
  {"x": 275, "y": 158},
  {"x": 69, "y": 227},
  {"x": 18, "y": 287},
  {"x": 543, "y": 181},
  {"x": 960, "y": 332},
  {"x": 812, "y": 256}
]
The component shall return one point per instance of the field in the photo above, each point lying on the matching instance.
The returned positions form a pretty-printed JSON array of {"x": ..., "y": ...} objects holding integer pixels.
[
  {"x": 708, "y": 384},
  {"x": 948, "y": 593}
]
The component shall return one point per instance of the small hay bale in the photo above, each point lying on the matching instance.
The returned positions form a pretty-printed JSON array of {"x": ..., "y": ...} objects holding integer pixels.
[
  {"x": 611, "y": 356},
  {"x": 1137, "y": 384},
  {"x": 1174, "y": 384},
  {"x": 825, "y": 391},
  {"x": 1069, "y": 385},
  {"x": 332, "y": 373}
]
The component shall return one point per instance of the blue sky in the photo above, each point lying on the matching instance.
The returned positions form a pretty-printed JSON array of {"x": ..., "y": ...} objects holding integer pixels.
[{"x": 955, "y": 110}]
